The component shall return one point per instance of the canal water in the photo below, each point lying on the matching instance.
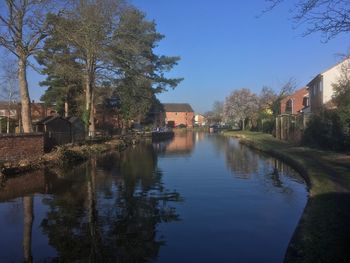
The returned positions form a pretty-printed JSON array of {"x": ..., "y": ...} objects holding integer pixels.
[{"x": 197, "y": 198}]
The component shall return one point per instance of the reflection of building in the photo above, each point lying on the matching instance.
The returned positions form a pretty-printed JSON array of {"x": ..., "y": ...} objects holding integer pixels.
[
  {"x": 182, "y": 144},
  {"x": 178, "y": 114}
]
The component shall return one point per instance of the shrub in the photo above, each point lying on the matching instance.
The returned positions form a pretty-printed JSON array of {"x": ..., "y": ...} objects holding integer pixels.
[{"x": 328, "y": 131}]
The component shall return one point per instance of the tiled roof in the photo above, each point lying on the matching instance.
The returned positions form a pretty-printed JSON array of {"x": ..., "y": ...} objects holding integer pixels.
[{"x": 177, "y": 107}]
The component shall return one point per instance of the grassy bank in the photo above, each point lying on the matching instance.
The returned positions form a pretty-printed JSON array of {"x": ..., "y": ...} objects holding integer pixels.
[{"x": 323, "y": 233}]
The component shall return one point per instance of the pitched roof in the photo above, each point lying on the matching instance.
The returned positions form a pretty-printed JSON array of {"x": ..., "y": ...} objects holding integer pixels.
[
  {"x": 177, "y": 107},
  {"x": 48, "y": 119}
]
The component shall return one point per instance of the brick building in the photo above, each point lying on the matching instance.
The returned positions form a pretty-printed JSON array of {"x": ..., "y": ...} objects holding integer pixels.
[
  {"x": 296, "y": 102},
  {"x": 38, "y": 109},
  {"x": 178, "y": 114}
]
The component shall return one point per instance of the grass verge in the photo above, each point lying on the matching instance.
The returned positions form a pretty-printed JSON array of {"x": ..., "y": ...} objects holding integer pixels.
[{"x": 323, "y": 233}]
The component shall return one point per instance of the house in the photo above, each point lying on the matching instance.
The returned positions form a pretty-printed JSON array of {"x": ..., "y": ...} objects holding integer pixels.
[
  {"x": 41, "y": 110},
  {"x": 8, "y": 109},
  {"x": 177, "y": 114},
  {"x": 199, "y": 120},
  {"x": 321, "y": 87},
  {"x": 57, "y": 131},
  {"x": 296, "y": 102},
  {"x": 13, "y": 110},
  {"x": 77, "y": 129}
]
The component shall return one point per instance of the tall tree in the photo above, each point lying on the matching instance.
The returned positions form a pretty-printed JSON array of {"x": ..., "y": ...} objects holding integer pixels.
[
  {"x": 22, "y": 29},
  {"x": 87, "y": 27},
  {"x": 142, "y": 72},
  {"x": 330, "y": 17},
  {"x": 63, "y": 71}
]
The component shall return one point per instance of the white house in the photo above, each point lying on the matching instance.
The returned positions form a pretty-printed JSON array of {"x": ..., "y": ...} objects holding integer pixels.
[{"x": 321, "y": 87}]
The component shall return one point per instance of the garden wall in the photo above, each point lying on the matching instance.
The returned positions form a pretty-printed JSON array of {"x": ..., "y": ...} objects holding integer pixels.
[{"x": 21, "y": 146}]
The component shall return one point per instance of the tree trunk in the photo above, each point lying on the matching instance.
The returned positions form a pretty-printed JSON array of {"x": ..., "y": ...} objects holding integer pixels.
[
  {"x": 25, "y": 99},
  {"x": 243, "y": 124},
  {"x": 66, "y": 109},
  {"x": 27, "y": 229},
  {"x": 89, "y": 84}
]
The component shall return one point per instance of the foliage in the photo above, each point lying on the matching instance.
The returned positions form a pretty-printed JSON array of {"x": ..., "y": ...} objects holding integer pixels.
[
  {"x": 64, "y": 73},
  {"x": 141, "y": 70},
  {"x": 327, "y": 130}
]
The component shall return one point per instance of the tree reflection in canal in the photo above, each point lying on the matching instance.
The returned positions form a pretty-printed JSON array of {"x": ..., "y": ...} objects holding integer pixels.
[{"x": 113, "y": 214}]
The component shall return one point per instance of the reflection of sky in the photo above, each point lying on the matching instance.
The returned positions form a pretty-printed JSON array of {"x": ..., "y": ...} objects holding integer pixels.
[
  {"x": 225, "y": 218},
  {"x": 214, "y": 215}
]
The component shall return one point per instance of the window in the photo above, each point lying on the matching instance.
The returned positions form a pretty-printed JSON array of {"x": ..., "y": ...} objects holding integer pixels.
[
  {"x": 306, "y": 101},
  {"x": 289, "y": 106}
]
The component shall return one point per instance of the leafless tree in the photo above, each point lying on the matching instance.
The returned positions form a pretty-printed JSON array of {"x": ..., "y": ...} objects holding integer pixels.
[
  {"x": 22, "y": 29},
  {"x": 271, "y": 100},
  {"x": 241, "y": 105},
  {"x": 330, "y": 17}
]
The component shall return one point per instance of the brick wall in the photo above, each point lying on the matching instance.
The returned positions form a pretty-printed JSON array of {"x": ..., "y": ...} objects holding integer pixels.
[
  {"x": 297, "y": 98},
  {"x": 21, "y": 146},
  {"x": 185, "y": 118}
]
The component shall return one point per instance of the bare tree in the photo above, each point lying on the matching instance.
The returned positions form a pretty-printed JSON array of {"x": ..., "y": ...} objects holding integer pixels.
[
  {"x": 22, "y": 29},
  {"x": 271, "y": 100},
  {"x": 330, "y": 17},
  {"x": 9, "y": 88},
  {"x": 241, "y": 105}
]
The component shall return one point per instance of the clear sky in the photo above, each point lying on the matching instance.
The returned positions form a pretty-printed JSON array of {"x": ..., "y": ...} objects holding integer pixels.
[{"x": 224, "y": 46}]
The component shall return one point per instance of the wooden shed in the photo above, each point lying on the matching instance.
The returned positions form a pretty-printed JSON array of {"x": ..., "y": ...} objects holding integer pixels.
[
  {"x": 57, "y": 131},
  {"x": 77, "y": 129}
]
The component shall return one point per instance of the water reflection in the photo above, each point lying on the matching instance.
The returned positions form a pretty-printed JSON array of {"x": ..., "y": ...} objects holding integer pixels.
[
  {"x": 181, "y": 145},
  {"x": 113, "y": 216},
  {"x": 118, "y": 207}
]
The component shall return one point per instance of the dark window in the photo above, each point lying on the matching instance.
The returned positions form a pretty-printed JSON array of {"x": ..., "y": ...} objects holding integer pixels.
[
  {"x": 306, "y": 101},
  {"x": 289, "y": 106}
]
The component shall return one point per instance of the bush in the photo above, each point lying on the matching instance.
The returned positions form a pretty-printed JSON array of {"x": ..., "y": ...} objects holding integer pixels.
[{"x": 328, "y": 131}]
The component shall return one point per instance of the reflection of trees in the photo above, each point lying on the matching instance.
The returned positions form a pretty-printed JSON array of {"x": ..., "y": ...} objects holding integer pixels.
[
  {"x": 242, "y": 161},
  {"x": 28, "y": 217},
  {"x": 111, "y": 215}
]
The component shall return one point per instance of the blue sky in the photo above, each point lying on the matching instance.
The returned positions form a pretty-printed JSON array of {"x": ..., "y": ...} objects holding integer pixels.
[{"x": 224, "y": 46}]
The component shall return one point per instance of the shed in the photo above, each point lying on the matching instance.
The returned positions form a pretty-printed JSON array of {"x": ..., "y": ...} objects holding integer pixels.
[
  {"x": 77, "y": 129},
  {"x": 57, "y": 131}
]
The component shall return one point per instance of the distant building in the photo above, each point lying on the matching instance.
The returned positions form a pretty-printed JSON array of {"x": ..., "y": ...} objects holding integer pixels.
[
  {"x": 39, "y": 110},
  {"x": 177, "y": 114},
  {"x": 9, "y": 109},
  {"x": 296, "y": 102},
  {"x": 321, "y": 87},
  {"x": 199, "y": 120}
]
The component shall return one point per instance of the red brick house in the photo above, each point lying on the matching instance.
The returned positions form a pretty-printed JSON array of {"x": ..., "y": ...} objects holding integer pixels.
[
  {"x": 178, "y": 114},
  {"x": 38, "y": 109},
  {"x": 296, "y": 102}
]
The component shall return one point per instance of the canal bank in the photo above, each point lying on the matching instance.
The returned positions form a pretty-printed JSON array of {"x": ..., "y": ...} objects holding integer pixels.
[
  {"x": 323, "y": 233},
  {"x": 68, "y": 155}
]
